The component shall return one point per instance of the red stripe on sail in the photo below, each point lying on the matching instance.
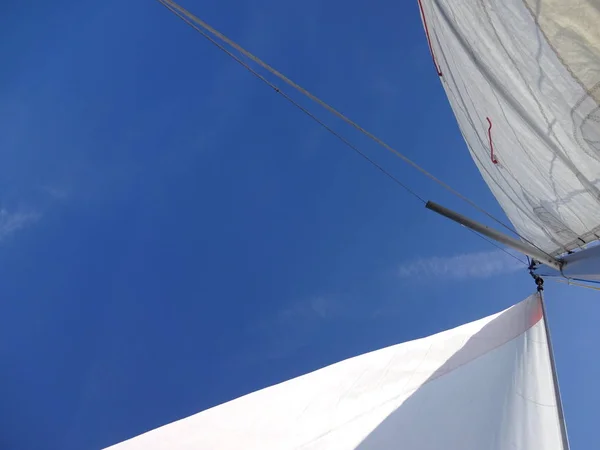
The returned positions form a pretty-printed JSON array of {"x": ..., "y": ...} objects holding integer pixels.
[{"x": 437, "y": 68}]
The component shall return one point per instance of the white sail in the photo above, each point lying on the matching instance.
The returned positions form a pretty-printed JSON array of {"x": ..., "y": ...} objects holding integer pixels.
[
  {"x": 523, "y": 77},
  {"x": 484, "y": 385}
]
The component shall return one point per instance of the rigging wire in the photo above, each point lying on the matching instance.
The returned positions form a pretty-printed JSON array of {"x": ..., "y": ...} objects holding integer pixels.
[
  {"x": 325, "y": 126},
  {"x": 584, "y": 281},
  {"x": 204, "y": 29},
  {"x": 574, "y": 283},
  {"x": 498, "y": 246},
  {"x": 301, "y": 108}
]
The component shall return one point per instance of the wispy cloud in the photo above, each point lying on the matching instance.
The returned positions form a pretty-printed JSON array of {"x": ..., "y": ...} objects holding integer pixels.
[
  {"x": 461, "y": 267},
  {"x": 291, "y": 328},
  {"x": 318, "y": 307},
  {"x": 55, "y": 192},
  {"x": 10, "y": 223}
]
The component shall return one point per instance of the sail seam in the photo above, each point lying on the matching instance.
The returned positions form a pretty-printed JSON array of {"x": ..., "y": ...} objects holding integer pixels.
[{"x": 587, "y": 237}]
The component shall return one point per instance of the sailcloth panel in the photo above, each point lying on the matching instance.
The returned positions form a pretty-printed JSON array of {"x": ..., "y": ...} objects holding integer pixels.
[
  {"x": 484, "y": 385},
  {"x": 532, "y": 67}
]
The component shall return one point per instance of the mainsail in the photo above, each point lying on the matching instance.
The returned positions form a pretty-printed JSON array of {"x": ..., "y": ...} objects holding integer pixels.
[
  {"x": 487, "y": 384},
  {"x": 523, "y": 80}
]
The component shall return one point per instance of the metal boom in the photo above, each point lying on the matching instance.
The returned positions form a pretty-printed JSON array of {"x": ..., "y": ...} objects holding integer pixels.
[{"x": 520, "y": 246}]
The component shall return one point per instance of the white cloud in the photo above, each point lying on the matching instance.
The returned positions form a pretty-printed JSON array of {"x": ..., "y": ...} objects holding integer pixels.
[
  {"x": 10, "y": 223},
  {"x": 293, "y": 327},
  {"x": 318, "y": 307},
  {"x": 55, "y": 192},
  {"x": 461, "y": 267}
]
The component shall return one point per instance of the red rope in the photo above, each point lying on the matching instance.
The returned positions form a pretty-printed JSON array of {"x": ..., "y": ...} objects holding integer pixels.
[
  {"x": 437, "y": 68},
  {"x": 494, "y": 160}
]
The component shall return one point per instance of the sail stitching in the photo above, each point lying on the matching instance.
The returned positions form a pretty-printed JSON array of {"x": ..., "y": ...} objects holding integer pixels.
[{"x": 587, "y": 237}]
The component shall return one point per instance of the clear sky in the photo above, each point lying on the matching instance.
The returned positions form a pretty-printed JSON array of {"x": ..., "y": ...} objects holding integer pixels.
[{"x": 173, "y": 234}]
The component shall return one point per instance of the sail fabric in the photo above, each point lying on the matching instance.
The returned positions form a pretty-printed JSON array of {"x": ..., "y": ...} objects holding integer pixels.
[
  {"x": 523, "y": 80},
  {"x": 487, "y": 384}
]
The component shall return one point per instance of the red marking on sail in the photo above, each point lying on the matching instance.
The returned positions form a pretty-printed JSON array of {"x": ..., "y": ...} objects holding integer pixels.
[
  {"x": 536, "y": 313},
  {"x": 494, "y": 160},
  {"x": 437, "y": 68}
]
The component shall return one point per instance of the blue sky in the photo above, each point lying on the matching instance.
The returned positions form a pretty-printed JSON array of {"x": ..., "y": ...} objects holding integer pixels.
[{"x": 173, "y": 234}]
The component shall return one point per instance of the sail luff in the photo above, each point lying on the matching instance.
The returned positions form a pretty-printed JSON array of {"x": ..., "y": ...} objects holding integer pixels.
[{"x": 559, "y": 404}]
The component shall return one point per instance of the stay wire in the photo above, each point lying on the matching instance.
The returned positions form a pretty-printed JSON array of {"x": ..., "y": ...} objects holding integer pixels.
[
  {"x": 200, "y": 26},
  {"x": 297, "y": 105},
  {"x": 325, "y": 126},
  {"x": 568, "y": 281}
]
